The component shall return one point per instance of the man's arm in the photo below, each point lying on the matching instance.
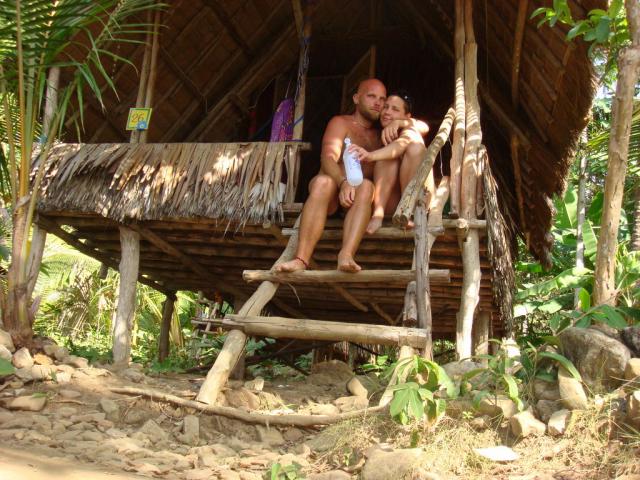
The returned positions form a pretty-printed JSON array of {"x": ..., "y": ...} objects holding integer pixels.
[{"x": 332, "y": 142}]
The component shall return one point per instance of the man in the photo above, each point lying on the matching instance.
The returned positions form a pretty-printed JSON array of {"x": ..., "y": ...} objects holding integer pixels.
[{"x": 329, "y": 189}]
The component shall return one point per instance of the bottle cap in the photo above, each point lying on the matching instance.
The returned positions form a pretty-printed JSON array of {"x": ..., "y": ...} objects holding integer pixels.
[{"x": 347, "y": 141}]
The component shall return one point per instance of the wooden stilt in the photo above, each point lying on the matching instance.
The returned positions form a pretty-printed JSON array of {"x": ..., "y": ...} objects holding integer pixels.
[
  {"x": 129, "y": 262},
  {"x": 410, "y": 312},
  {"x": 481, "y": 334},
  {"x": 165, "y": 327},
  {"x": 423, "y": 298},
  {"x": 38, "y": 240},
  {"x": 238, "y": 371},
  {"x": 457, "y": 148},
  {"x": 304, "y": 36}
]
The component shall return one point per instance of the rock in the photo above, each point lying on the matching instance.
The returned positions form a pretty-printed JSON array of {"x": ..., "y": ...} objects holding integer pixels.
[
  {"x": 92, "y": 417},
  {"x": 256, "y": 384},
  {"x": 502, "y": 405},
  {"x": 498, "y": 454},
  {"x": 607, "y": 330},
  {"x": 5, "y": 416},
  {"x": 44, "y": 372},
  {"x": 42, "y": 359},
  {"x": 382, "y": 465},
  {"x": 199, "y": 474},
  {"x": 324, "y": 409},
  {"x": 221, "y": 450},
  {"x": 323, "y": 442},
  {"x": 339, "y": 371},
  {"x": 558, "y": 422},
  {"x": 571, "y": 391},
  {"x": 153, "y": 431},
  {"x": 133, "y": 374},
  {"x": 293, "y": 435},
  {"x": 59, "y": 353},
  {"x": 355, "y": 387},
  {"x": 632, "y": 371},
  {"x": 330, "y": 475},
  {"x": 349, "y": 404},
  {"x": 598, "y": 357},
  {"x": 631, "y": 338},
  {"x": 66, "y": 412},
  {"x": 24, "y": 374},
  {"x": 228, "y": 475},
  {"x": 456, "y": 370},
  {"x": 524, "y": 424},
  {"x": 546, "y": 408},
  {"x": 110, "y": 408},
  {"x": 480, "y": 423},
  {"x": 134, "y": 416},
  {"x": 456, "y": 407},
  {"x": 62, "y": 377},
  {"x": 364, "y": 386},
  {"x": 70, "y": 394},
  {"x": 270, "y": 436},
  {"x": 633, "y": 409},
  {"x": 421, "y": 474},
  {"x": 6, "y": 341},
  {"x": 242, "y": 398},
  {"x": 30, "y": 403},
  {"x": 77, "y": 362},
  {"x": 5, "y": 354},
  {"x": 92, "y": 435},
  {"x": 22, "y": 358},
  {"x": 191, "y": 429}
]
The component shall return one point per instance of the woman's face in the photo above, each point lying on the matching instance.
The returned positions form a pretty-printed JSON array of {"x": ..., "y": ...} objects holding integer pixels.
[{"x": 393, "y": 110}]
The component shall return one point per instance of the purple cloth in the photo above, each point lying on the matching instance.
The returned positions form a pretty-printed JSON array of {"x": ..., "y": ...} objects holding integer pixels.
[{"x": 282, "y": 125}]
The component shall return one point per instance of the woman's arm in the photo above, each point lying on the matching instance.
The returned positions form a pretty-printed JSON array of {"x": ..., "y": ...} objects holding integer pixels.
[
  {"x": 392, "y": 131},
  {"x": 392, "y": 151}
]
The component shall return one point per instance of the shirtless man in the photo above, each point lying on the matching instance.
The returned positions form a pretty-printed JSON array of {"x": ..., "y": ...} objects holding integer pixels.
[{"x": 330, "y": 189}]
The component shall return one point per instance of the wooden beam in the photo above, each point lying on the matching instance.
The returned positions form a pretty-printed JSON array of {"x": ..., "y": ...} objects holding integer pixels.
[
  {"x": 314, "y": 277},
  {"x": 517, "y": 50},
  {"x": 216, "y": 7},
  {"x": 280, "y": 327}
]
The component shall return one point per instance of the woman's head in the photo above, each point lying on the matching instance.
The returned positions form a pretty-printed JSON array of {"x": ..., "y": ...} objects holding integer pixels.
[{"x": 398, "y": 105}]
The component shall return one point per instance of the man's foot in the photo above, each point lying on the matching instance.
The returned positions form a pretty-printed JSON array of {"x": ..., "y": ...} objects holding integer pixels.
[
  {"x": 346, "y": 263},
  {"x": 374, "y": 224},
  {"x": 295, "y": 265}
]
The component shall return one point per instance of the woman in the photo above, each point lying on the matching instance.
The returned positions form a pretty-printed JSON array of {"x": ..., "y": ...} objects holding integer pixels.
[{"x": 398, "y": 159}]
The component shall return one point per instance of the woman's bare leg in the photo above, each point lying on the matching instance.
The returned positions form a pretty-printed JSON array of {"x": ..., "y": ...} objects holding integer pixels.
[{"x": 385, "y": 176}]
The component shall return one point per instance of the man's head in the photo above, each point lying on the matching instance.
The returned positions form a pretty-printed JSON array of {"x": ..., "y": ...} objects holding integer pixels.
[{"x": 369, "y": 98}]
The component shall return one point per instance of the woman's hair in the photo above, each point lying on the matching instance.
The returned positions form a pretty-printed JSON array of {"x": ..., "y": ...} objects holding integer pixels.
[{"x": 406, "y": 98}]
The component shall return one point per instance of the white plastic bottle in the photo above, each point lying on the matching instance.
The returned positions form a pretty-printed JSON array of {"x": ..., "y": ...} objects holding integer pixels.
[{"x": 351, "y": 165}]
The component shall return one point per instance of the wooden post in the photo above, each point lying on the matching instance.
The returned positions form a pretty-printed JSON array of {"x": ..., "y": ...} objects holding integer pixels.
[
  {"x": 165, "y": 326},
  {"x": 304, "y": 37},
  {"x": 38, "y": 240},
  {"x": 238, "y": 371},
  {"x": 153, "y": 70},
  {"x": 423, "y": 296},
  {"x": 235, "y": 342},
  {"x": 457, "y": 147},
  {"x": 129, "y": 262},
  {"x": 481, "y": 329}
]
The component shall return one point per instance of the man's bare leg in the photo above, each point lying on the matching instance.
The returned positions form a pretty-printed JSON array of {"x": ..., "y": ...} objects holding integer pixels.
[
  {"x": 385, "y": 175},
  {"x": 322, "y": 201},
  {"x": 354, "y": 226}
]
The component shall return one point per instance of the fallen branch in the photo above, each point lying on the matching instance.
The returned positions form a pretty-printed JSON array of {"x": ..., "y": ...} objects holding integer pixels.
[{"x": 292, "y": 420}]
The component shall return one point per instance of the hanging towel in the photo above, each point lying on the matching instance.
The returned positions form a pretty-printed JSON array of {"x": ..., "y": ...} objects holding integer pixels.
[{"x": 282, "y": 125}]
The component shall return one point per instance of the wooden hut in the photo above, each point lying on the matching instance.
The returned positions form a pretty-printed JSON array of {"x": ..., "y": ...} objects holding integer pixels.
[{"x": 202, "y": 196}]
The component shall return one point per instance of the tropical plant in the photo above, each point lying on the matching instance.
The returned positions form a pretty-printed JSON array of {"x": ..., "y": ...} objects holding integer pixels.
[{"x": 36, "y": 36}]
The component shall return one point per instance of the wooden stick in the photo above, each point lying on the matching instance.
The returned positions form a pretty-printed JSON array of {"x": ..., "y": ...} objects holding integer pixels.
[
  {"x": 292, "y": 420},
  {"x": 305, "y": 329},
  {"x": 144, "y": 76},
  {"x": 517, "y": 50},
  {"x": 128, "y": 269},
  {"x": 517, "y": 175},
  {"x": 313, "y": 277},
  {"x": 457, "y": 148},
  {"x": 165, "y": 327},
  {"x": 422, "y": 276},
  {"x": 305, "y": 40},
  {"x": 153, "y": 70},
  {"x": 417, "y": 184}
]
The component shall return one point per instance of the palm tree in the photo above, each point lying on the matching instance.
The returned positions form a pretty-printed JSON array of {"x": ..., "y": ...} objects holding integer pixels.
[{"x": 35, "y": 37}]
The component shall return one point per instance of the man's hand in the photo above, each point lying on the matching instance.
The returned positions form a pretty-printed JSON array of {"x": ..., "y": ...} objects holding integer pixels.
[
  {"x": 347, "y": 194},
  {"x": 392, "y": 131},
  {"x": 361, "y": 154}
]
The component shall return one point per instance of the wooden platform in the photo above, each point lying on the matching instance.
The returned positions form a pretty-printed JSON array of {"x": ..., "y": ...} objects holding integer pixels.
[{"x": 202, "y": 254}]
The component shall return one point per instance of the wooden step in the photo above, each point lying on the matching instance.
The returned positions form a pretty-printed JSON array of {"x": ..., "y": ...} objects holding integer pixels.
[
  {"x": 304, "y": 329},
  {"x": 314, "y": 277}
]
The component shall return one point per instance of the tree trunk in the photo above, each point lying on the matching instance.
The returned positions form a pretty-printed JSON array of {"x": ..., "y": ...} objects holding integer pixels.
[
  {"x": 581, "y": 207},
  {"x": 16, "y": 319},
  {"x": 621, "y": 113},
  {"x": 165, "y": 327}
]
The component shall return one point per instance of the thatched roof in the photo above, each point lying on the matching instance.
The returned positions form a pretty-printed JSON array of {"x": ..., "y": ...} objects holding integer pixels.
[{"x": 223, "y": 64}]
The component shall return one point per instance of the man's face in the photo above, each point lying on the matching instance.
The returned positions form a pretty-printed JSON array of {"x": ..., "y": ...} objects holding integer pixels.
[{"x": 370, "y": 98}]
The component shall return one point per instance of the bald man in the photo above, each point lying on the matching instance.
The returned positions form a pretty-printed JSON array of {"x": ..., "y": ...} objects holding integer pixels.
[{"x": 329, "y": 189}]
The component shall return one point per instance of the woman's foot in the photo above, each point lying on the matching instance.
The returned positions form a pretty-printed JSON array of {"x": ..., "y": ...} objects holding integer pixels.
[
  {"x": 346, "y": 263},
  {"x": 295, "y": 265},
  {"x": 374, "y": 224}
]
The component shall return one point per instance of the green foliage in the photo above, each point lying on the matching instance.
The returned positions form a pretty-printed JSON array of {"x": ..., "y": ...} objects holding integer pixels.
[
  {"x": 423, "y": 391},
  {"x": 380, "y": 365},
  {"x": 288, "y": 472},
  {"x": 6, "y": 368}
]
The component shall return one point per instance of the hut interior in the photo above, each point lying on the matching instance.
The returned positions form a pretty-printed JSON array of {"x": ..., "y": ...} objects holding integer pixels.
[{"x": 205, "y": 210}]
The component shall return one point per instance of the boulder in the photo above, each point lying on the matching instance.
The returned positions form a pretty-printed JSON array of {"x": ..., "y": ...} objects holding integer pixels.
[
  {"x": 571, "y": 391},
  {"x": 524, "y": 424},
  {"x": 69, "y": 394},
  {"x": 23, "y": 374},
  {"x": 191, "y": 429},
  {"x": 324, "y": 409},
  {"x": 632, "y": 371},
  {"x": 598, "y": 357},
  {"x": 256, "y": 384},
  {"x": 42, "y": 359},
  {"x": 44, "y": 372},
  {"x": 133, "y": 374},
  {"x": 22, "y": 358},
  {"x": 31, "y": 403},
  {"x": 5, "y": 354},
  {"x": 607, "y": 330},
  {"x": 77, "y": 362},
  {"x": 153, "y": 431},
  {"x": 546, "y": 408},
  {"x": 543, "y": 390},
  {"x": 631, "y": 338},
  {"x": 456, "y": 370},
  {"x": 383, "y": 465},
  {"x": 339, "y": 371},
  {"x": 6, "y": 341},
  {"x": 496, "y": 406},
  {"x": 633, "y": 409},
  {"x": 242, "y": 398},
  {"x": 110, "y": 408},
  {"x": 360, "y": 386},
  {"x": 349, "y": 404},
  {"x": 270, "y": 436},
  {"x": 558, "y": 422}
]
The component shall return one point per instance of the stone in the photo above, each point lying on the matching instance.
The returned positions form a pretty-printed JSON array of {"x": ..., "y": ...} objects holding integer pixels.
[
  {"x": 421, "y": 474},
  {"x": 133, "y": 375},
  {"x": 245, "y": 475},
  {"x": 633, "y": 409},
  {"x": 350, "y": 404},
  {"x": 498, "y": 454},
  {"x": 110, "y": 408},
  {"x": 572, "y": 393},
  {"x": 364, "y": 386},
  {"x": 270, "y": 436},
  {"x": 66, "y": 412},
  {"x": 457, "y": 407},
  {"x": 293, "y": 435},
  {"x": 6, "y": 341},
  {"x": 242, "y": 398},
  {"x": 92, "y": 435},
  {"x": 42, "y": 359},
  {"x": 607, "y": 330},
  {"x": 134, "y": 416},
  {"x": 330, "y": 475},
  {"x": 631, "y": 338},
  {"x": 199, "y": 474},
  {"x": 56, "y": 351},
  {"x": 546, "y": 408},
  {"x": 323, "y": 442},
  {"x": 5, "y": 354},
  {"x": 324, "y": 409},
  {"x": 524, "y": 424},
  {"x": 383, "y": 465},
  {"x": 494, "y": 407},
  {"x": 228, "y": 475},
  {"x": 598, "y": 357},
  {"x": 557, "y": 424},
  {"x": 153, "y": 431},
  {"x": 480, "y": 423},
  {"x": 455, "y": 370},
  {"x": 77, "y": 362},
  {"x": 31, "y": 403},
  {"x": 92, "y": 417},
  {"x": 69, "y": 394},
  {"x": 355, "y": 387},
  {"x": 22, "y": 358},
  {"x": 44, "y": 372},
  {"x": 191, "y": 429},
  {"x": 632, "y": 370},
  {"x": 63, "y": 377},
  {"x": 5, "y": 416},
  {"x": 256, "y": 384},
  {"x": 338, "y": 371},
  {"x": 24, "y": 374},
  {"x": 221, "y": 450}
]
